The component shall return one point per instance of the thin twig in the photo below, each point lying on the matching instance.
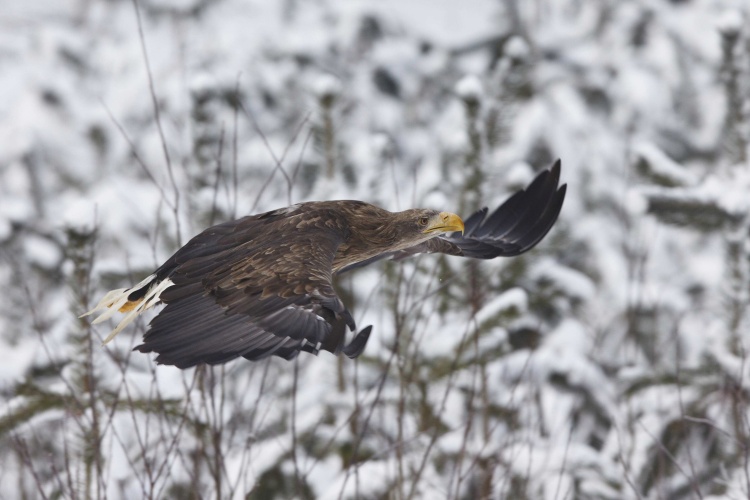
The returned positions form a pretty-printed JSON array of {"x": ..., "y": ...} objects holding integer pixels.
[
  {"x": 157, "y": 117},
  {"x": 136, "y": 156},
  {"x": 214, "y": 204},
  {"x": 293, "y": 418},
  {"x": 235, "y": 123}
]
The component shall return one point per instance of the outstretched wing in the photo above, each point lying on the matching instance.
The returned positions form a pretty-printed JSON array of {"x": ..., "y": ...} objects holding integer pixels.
[
  {"x": 514, "y": 228},
  {"x": 266, "y": 290}
]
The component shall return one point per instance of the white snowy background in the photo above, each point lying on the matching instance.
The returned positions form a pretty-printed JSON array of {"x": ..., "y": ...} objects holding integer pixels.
[{"x": 607, "y": 363}]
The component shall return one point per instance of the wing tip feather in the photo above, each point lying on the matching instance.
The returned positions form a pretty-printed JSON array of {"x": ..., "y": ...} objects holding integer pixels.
[{"x": 520, "y": 222}]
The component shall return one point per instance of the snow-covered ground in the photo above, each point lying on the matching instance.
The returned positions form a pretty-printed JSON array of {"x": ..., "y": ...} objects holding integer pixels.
[{"x": 609, "y": 362}]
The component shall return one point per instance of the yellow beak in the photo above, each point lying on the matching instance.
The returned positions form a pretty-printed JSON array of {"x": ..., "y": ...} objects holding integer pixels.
[{"x": 445, "y": 222}]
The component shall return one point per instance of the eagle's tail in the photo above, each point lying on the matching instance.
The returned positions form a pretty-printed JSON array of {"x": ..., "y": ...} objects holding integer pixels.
[{"x": 132, "y": 301}]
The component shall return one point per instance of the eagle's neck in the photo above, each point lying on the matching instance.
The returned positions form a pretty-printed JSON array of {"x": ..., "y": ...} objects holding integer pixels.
[
  {"x": 372, "y": 233},
  {"x": 362, "y": 247}
]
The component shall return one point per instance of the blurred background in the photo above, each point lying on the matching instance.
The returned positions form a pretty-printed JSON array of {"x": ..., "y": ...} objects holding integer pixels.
[{"x": 607, "y": 363}]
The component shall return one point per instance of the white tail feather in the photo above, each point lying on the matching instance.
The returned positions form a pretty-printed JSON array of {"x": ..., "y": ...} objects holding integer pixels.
[
  {"x": 110, "y": 298},
  {"x": 114, "y": 300},
  {"x": 148, "y": 301},
  {"x": 115, "y": 296}
]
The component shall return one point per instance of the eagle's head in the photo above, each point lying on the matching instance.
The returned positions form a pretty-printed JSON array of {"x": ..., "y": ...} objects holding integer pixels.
[{"x": 417, "y": 225}]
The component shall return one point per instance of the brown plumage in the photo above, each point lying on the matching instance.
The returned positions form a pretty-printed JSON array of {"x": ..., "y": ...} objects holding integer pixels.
[{"x": 262, "y": 285}]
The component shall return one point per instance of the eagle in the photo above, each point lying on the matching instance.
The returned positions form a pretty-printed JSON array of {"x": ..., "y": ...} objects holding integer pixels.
[{"x": 262, "y": 285}]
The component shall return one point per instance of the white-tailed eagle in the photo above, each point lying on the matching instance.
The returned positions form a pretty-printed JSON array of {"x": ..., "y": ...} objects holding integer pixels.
[{"x": 262, "y": 285}]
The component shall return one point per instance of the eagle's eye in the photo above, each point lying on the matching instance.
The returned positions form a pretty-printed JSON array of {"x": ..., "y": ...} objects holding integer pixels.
[{"x": 423, "y": 221}]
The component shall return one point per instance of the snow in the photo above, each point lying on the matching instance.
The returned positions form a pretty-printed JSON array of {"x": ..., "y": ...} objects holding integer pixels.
[
  {"x": 730, "y": 21},
  {"x": 660, "y": 164},
  {"x": 42, "y": 251},
  {"x": 327, "y": 86},
  {"x": 636, "y": 322},
  {"x": 574, "y": 283},
  {"x": 517, "y": 48},
  {"x": 514, "y": 300},
  {"x": 469, "y": 88}
]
